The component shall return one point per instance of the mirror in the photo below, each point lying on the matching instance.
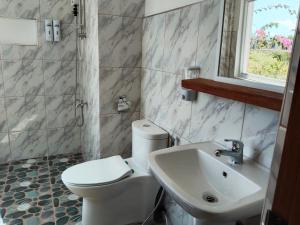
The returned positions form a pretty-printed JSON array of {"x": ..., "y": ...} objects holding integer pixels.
[{"x": 257, "y": 40}]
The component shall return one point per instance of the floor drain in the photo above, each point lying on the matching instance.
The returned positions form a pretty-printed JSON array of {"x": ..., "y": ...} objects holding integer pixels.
[{"x": 208, "y": 197}]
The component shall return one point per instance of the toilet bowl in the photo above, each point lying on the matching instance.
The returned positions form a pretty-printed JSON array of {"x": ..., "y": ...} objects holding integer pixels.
[{"x": 119, "y": 191}]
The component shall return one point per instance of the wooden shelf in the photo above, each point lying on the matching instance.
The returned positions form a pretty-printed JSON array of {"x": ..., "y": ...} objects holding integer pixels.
[{"x": 253, "y": 96}]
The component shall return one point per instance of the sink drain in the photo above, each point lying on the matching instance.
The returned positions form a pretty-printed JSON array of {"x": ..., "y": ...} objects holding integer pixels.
[{"x": 208, "y": 197}]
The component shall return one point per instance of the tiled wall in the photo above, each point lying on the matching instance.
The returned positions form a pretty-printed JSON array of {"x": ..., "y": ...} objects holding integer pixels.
[
  {"x": 89, "y": 71},
  {"x": 37, "y": 86},
  {"x": 188, "y": 37},
  {"x": 120, "y": 54},
  {"x": 283, "y": 124}
]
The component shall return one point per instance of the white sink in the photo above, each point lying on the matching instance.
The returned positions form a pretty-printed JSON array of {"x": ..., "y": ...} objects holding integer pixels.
[{"x": 193, "y": 175}]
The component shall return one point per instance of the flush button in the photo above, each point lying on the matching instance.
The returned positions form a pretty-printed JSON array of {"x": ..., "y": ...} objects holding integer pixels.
[{"x": 146, "y": 125}]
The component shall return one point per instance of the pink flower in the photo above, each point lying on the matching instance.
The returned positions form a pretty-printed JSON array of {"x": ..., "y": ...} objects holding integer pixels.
[
  {"x": 260, "y": 33},
  {"x": 287, "y": 42},
  {"x": 279, "y": 38}
]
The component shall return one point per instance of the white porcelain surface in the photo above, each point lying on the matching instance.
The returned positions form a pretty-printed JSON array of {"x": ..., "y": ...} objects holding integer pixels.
[
  {"x": 101, "y": 172},
  {"x": 187, "y": 172},
  {"x": 131, "y": 199}
]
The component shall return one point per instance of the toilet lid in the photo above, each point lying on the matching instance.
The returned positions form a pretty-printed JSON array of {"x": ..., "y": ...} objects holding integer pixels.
[{"x": 97, "y": 172}]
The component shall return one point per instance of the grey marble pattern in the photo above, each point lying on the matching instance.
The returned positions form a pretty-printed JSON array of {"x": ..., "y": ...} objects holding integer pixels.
[
  {"x": 26, "y": 113},
  {"x": 215, "y": 118},
  {"x": 90, "y": 81},
  {"x": 60, "y": 111},
  {"x": 64, "y": 140},
  {"x": 58, "y": 9},
  {"x": 27, "y": 9},
  {"x": 37, "y": 83},
  {"x": 3, "y": 116},
  {"x": 131, "y": 53},
  {"x": 181, "y": 39},
  {"x": 59, "y": 77},
  {"x": 260, "y": 137},
  {"x": 173, "y": 108},
  {"x": 207, "y": 48},
  {"x": 1, "y": 82},
  {"x": 151, "y": 94},
  {"x": 110, "y": 40},
  {"x": 23, "y": 78},
  {"x": 28, "y": 144},
  {"x": 128, "y": 8},
  {"x": 5, "y": 154},
  {"x": 133, "y": 8},
  {"x": 153, "y": 42}
]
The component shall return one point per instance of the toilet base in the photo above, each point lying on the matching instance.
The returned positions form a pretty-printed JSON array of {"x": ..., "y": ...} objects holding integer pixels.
[{"x": 94, "y": 213}]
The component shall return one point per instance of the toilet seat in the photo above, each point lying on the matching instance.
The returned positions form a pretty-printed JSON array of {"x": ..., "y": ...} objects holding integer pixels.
[{"x": 97, "y": 172}]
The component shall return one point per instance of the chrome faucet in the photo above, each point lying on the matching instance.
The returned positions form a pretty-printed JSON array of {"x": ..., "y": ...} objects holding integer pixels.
[{"x": 235, "y": 153}]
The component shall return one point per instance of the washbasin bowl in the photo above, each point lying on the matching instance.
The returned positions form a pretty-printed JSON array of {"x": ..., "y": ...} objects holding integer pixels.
[{"x": 209, "y": 187}]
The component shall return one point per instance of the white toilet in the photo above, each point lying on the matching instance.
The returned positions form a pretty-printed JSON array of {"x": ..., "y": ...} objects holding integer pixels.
[{"x": 119, "y": 191}]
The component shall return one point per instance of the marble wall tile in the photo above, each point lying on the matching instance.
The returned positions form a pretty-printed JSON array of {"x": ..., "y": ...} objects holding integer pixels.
[
  {"x": 10, "y": 52},
  {"x": 111, "y": 135},
  {"x": 110, "y": 86},
  {"x": 181, "y": 39},
  {"x": 57, "y": 9},
  {"x": 5, "y": 154},
  {"x": 132, "y": 42},
  {"x": 133, "y": 8},
  {"x": 259, "y": 133},
  {"x": 59, "y": 77},
  {"x": 127, "y": 120},
  {"x": 116, "y": 82},
  {"x": 23, "y": 78},
  {"x": 63, "y": 50},
  {"x": 207, "y": 50},
  {"x": 153, "y": 42},
  {"x": 3, "y": 116},
  {"x": 28, "y": 144},
  {"x": 1, "y": 81},
  {"x": 60, "y": 111},
  {"x": 110, "y": 41},
  {"x": 28, "y": 73},
  {"x": 26, "y": 113},
  {"x": 215, "y": 118},
  {"x": 131, "y": 87},
  {"x": 151, "y": 94},
  {"x": 173, "y": 108},
  {"x": 63, "y": 140},
  {"x": 110, "y": 7},
  {"x": 28, "y": 9}
]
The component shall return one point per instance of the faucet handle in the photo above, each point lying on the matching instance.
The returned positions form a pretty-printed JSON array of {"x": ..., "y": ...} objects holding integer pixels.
[{"x": 236, "y": 145}]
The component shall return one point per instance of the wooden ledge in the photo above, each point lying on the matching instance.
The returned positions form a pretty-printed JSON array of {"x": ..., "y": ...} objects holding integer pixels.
[{"x": 267, "y": 99}]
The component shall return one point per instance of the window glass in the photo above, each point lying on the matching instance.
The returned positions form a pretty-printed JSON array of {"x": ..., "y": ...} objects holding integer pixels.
[{"x": 269, "y": 38}]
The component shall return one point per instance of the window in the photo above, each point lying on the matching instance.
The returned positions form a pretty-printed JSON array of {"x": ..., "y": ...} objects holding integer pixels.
[{"x": 266, "y": 34}]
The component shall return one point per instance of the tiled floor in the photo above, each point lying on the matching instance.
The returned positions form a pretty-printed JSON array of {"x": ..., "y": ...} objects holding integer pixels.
[{"x": 32, "y": 193}]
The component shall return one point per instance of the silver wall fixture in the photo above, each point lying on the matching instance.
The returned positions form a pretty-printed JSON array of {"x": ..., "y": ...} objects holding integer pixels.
[
  {"x": 56, "y": 31},
  {"x": 192, "y": 72},
  {"x": 123, "y": 104},
  {"x": 189, "y": 95},
  {"x": 48, "y": 30}
]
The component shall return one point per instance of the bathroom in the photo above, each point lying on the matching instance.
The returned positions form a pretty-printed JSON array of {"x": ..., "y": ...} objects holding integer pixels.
[{"x": 97, "y": 81}]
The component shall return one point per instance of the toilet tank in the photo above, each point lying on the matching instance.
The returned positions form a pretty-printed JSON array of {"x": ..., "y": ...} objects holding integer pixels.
[{"x": 146, "y": 138}]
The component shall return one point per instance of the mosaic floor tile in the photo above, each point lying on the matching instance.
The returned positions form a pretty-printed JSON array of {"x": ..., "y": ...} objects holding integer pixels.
[{"x": 32, "y": 193}]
